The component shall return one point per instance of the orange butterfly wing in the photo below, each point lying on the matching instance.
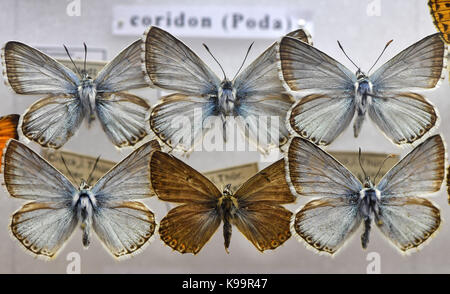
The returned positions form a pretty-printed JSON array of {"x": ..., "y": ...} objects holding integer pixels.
[
  {"x": 440, "y": 11},
  {"x": 8, "y": 130}
]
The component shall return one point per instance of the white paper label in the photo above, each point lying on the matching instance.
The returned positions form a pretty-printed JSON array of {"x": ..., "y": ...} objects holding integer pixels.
[{"x": 211, "y": 21}]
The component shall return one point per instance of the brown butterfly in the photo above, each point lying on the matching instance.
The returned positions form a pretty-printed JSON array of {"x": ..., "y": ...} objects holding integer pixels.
[
  {"x": 8, "y": 130},
  {"x": 440, "y": 11},
  {"x": 254, "y": 208}
]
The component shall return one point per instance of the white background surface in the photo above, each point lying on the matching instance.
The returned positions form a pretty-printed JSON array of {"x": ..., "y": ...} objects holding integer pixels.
[{"x": 45, "y": 23}]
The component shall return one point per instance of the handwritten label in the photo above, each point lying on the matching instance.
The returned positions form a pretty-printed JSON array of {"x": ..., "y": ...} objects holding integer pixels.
[{"x": 210, "y": 21}]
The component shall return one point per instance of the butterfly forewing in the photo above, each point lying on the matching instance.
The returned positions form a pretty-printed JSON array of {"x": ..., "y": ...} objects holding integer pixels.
[
  {"x": 174, "y": 181},
  {"x": 440, "y": 11},
  {"x": 310, "y": 171},
  {"x": 124, "y": 72},
  {"x": 171, "y": 65},
  {"x": 419, "y": 173},
  {"x": 29, "y": 71},
  {"x": 305, "y": 68},
  {"x": 8, "y": 130},
  {"x": 129, "y": 179},
  {"x": 421, "y": 65}
]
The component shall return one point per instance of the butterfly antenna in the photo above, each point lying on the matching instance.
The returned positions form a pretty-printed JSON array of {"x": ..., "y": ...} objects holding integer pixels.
[
  {"x": 92, "y": 171},
  {"x": 389, "y": 156},
  {"x": 342, "y": 48},
  {"x": 360, "y": 164},
  {"x": 68, "y": 54},
  {"x": 68, "y": 170},
  {"x": 385, "y": 47},
  {"x": 243, "y": 62},
  {"x": 85, "y": 56},
  {"x": 207, "y": 49}
]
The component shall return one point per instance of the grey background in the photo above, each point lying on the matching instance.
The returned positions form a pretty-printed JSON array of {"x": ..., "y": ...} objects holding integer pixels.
[{"x": 45, "y": 23}]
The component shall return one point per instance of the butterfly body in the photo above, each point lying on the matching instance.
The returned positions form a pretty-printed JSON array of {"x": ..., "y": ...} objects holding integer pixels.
[
  {"x": 87, "y": 93},
  {"x": 369, "y": 209},
  {"x": 227, "y": 206}
]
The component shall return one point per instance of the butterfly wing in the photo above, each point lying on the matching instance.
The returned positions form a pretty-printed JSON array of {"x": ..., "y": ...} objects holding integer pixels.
[
  {"x": 326, "y": 113},
  {"x": 312, "y": 172},
  {"x": 129, "y": 179},
  {"x": 407, "y": 221},
  {"x": 53, "y": 120},
  {"x": 122, "y": 117},
  {"x": 305, "y": 68},
  {"x": 325, "y": 223},
  {"x": 186, "y": 228},
  {"x": 41, "y": 226},
  {"x": 440, "y": 11},
  {"x": 420, "y": 172},
  {"x": 403, "y": 117},
  {"x": 418, "y": 66},
  {"x": 307, "y": 117},
  {"x": 8, "y": 130},
  {"x": 260, "y": 94},
  {"x": 124, "y": 72},
  {"x": 29, "y": 71},
  {"x": 404, "y": 218},
  {"x": 122, "y": 225},
  {"x": 260, "y": 217},
  {"x": 179, "y": 120},
  {"x": 301, "y": 34},
  {"x": 171, "y": 65}
]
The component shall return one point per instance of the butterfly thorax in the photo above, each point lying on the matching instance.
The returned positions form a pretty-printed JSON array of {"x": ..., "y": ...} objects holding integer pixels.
[
  {"x": 363, "y": 90},
  {"x": 368, "y": 209},
  {"x": 227, "y": 207},
  {"x": 87, "y": 92},
  {"x": 227, "y": 97},
  {"x": 84, "y": 203}
]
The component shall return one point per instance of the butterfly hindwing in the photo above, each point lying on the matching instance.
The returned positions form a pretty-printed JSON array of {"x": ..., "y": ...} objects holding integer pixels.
[{"x": 122, "y": 117}]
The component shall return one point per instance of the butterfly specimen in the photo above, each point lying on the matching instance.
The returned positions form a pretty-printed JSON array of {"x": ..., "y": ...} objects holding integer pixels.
[
  {"x": 395, "y": 203},
  {"x": 8, "y": 130},
  {"x": 254, "y": 208},
  {"x": 256, "y": 92},
  {"x": 335, "y": 94},
  {"x": 440, "y": 11},
  {"x": 57, "y": 206},
  {"x": 74, "y": 97}
]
